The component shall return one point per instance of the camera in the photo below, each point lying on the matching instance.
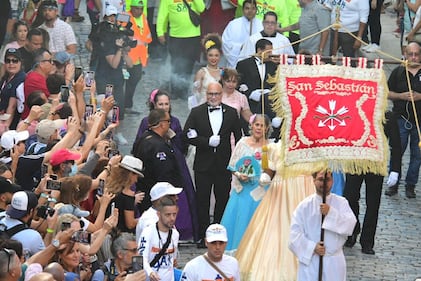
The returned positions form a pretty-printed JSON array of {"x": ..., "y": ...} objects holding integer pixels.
[
  {"x": 44, "y": 211},
  {"x": 65, "y": 225},
  {"x": 122, "y": 30},
  {"x": 89, "y": 110},
  {"x": 89, "y": 78},
  {"x": 78, "y": 72}
]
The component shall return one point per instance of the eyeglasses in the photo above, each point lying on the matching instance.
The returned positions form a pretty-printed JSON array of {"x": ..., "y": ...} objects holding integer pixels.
[
  {"x": 165, "y": 120},
  {"x": 49, "y": 60},
  {"x": 214, "y": 94},
  {"x": 134, "y": 250},
  {"x": 15, "y": 61},
  {"x": 270, "y": 22},
  {"x": 10, "y": 254}
]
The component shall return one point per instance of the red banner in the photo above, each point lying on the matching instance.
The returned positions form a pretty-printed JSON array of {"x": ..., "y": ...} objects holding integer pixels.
[{"x": 334, "y": 119}]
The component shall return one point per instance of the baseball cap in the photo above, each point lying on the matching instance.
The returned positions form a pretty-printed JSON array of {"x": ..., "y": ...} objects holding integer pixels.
[
  {"x": 110, "y": 10},
  {"x": 216, "y": 232},
  {"x": 132, "y": 164},
  {"x": 136, "y": 3},
  {"x": 45, "y": 128},
  {"x": 12, "y": 137},
  {"x": 160, "y": 189},
  {"x": 22, "y": 202},
  {"x": 63, "y": 155},
  {"x": 13, "y": 52},
  {"x": 62, "y": 57},
  {"x": 7, "y": 186}
]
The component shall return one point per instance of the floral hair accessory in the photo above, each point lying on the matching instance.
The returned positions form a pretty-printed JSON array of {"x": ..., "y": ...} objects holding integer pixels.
[
  {"x": 152, "y": 95},
  {"x": 251, "y": 119},
  {"x": 209, "y": 44},
  {"x": 222, "y": 72}
]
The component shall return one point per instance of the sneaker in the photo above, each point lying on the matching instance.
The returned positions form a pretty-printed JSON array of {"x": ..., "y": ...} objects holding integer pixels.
[
  {"x": 373, "y": 48},
  {"x": 410, "y": 191},
  {"x": 77, "y": 18},
  {"x": 391, "y": 190},
  {"x": 366, "y": 47},
  {"x": 120, "y": 139}
]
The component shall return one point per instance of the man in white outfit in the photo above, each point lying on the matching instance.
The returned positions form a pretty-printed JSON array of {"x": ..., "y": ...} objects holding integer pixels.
[
  {"x": 238, "y": 31},
  {"x": 281, "y": 44},
  {"x": 304, "y": 239},
  {"x": 214, "y": 264}
]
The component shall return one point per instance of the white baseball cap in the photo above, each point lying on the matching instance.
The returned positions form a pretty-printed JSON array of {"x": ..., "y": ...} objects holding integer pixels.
[
  {"x": 216, "y": 232},
  {"x": 110, "y": 10},
  {"x": 160, "y": 189},
  {"x": 12, "y": 137}
]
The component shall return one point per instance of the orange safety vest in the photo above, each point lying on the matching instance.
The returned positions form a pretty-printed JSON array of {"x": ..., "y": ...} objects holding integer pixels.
[{"x": 139, "y": 54}]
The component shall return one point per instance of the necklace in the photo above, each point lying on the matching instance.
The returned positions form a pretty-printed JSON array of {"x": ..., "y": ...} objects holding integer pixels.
[{"x": 212, "y": 69}]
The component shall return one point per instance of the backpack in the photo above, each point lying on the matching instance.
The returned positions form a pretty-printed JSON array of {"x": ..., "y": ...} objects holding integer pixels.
[{"x": 7, "y": 233}]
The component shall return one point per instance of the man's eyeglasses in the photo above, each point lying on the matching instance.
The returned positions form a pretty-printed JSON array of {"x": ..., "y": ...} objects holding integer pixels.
[
  {"x": 10, "y": 254},
  {"x": 134, "y": 250},
  {"x": 49, "y": 60},
  {"x": 214, "y": 94},
  {"x": 15, "y": 61}
]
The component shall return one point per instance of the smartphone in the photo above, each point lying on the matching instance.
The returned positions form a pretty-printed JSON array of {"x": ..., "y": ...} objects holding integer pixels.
[
  {"x": 113, "y": 152},
  {"x": 109, "y": 90},
  {"x": 64, "y": 90},
  {"x": 78, "y": 72},
  {"x": 82, "y": 237},
  {"x": 89, "y": 77},
  {"x": 100, "y": 189},
  {"x": 44, "y": 169},
  {"x": 65, "y": 226},
  {"x": 122, "y": 17},
  {"x": 115, "y": 114},
  {"x": 137, "y": 263},
  {"x": 53, "y": 185},
  {"x": 44, "y": 211},
  {"x": 89, "y": 110},
  {"x": 54, "y": 177},
  {"x": 112, "y": 207}
]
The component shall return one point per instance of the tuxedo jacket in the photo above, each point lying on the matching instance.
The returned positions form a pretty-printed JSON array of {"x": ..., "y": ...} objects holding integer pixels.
[
  {"x": 249, "y": 75},
  {"x": 208, "y": 157}
]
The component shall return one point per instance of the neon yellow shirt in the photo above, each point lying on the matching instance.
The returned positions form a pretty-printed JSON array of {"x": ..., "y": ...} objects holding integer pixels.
[
  {"x": 176, "y": 14},
  {"x": 277, "y": 6}
]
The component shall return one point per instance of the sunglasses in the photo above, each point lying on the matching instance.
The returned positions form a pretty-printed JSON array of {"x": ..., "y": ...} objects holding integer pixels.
[
  {"x": 10, "y": 254},
  {"x": 49, "y": 60},
  {"x": 15, "y": 61}
]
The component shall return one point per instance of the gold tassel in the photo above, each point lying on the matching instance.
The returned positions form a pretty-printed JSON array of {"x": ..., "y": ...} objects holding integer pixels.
[{"x": 265, "y": 162}]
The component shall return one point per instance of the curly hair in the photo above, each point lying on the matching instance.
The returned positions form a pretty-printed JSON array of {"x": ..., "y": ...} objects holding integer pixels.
[{"x": 212, "y": 41}]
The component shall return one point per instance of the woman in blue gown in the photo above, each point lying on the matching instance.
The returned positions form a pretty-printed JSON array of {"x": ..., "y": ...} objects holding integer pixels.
[{"x": 246, "y": 191}]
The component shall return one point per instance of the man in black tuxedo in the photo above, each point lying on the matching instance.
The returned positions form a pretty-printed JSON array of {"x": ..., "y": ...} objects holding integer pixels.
[
  {"x": 251, "y": 75},
  {"x": 209, "y": 128}
]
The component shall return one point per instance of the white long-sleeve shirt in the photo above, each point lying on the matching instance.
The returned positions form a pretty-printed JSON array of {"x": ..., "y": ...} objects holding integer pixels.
[
  {"x": 235, "y": 34},
  {"x": 305, "y": 233}
]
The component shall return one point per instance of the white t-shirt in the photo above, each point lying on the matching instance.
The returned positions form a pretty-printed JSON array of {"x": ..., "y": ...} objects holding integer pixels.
[
  {"x": 151, "y": 244},
  {"x": 199, "y": 269}
]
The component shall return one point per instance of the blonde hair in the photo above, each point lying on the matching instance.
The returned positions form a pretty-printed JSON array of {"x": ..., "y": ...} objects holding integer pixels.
[{"x": 117, "y": 180}]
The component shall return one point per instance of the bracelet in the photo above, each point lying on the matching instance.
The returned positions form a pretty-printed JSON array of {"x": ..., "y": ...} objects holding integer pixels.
[
  {"x": 26, "y": 122},
  {"x": 49, "y": 230},
  {"x": 102, "y": 111}
]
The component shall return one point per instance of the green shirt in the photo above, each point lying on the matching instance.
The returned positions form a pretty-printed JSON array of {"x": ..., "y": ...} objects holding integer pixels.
[{"x": 176, "y": 14}]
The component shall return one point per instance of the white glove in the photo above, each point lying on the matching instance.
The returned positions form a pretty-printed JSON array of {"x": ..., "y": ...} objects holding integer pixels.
[
  {"x": 243, "y": 88},
  {"x": 276, "y": 122},
  {"x": 255, "y": 95},
  {"x": 214, "y": 141},
  {"x": 392, "y": 179},
  {"x": 264, "y": 179}
]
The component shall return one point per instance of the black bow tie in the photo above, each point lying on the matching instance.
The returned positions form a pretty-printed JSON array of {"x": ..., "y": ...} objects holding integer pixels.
[{"x": 214, "y": 108}]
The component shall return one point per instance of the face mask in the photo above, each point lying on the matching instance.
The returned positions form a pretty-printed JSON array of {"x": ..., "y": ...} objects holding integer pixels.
[{"x": 73, "y": 170}]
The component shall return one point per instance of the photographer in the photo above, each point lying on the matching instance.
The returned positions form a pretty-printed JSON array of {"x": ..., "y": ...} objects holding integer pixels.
[{"x": 113, "y": 60}]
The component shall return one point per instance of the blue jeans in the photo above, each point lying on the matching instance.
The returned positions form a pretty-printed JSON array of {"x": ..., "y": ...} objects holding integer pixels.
[{"x": 408, "y": 131}]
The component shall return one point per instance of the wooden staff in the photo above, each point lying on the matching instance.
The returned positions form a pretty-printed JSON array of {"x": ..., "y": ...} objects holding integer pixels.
[{"x": 322, "y": 231}]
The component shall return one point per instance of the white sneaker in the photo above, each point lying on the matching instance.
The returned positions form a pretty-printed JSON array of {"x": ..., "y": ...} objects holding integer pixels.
[
  {"x": 120, "y": 139},
  {"x": 374, "y": 47},
  {"x": 366, "y": 47}
]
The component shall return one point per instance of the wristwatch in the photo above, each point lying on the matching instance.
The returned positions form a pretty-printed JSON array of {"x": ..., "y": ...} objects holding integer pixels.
[{"x": 55, "y": 243}]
